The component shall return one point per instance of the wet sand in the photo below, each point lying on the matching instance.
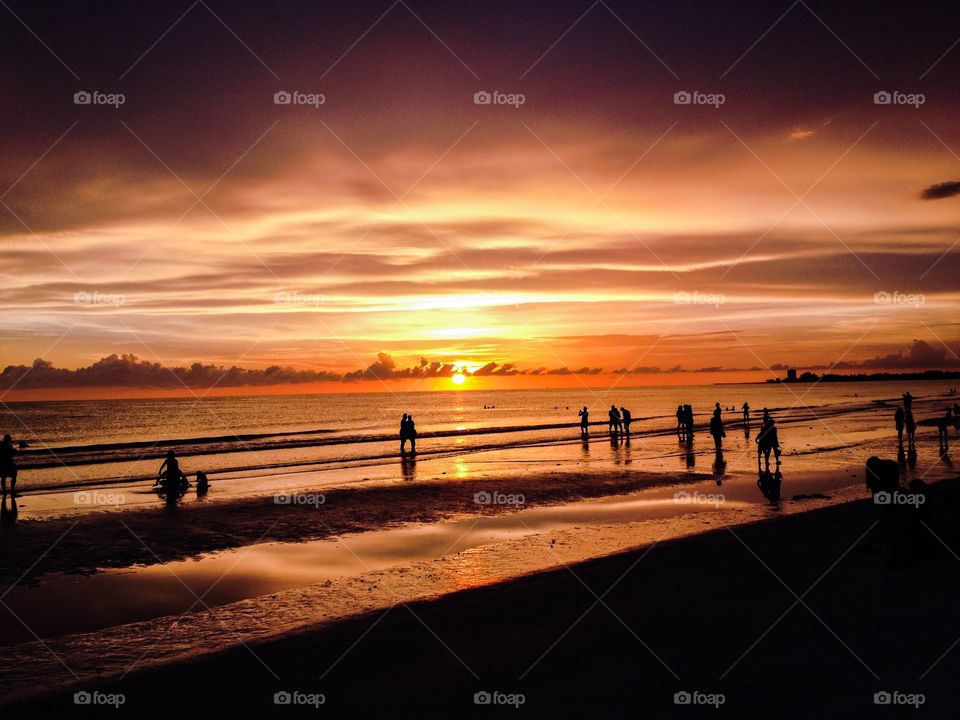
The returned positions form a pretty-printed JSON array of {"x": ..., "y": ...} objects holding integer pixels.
[{"x": 797, "y": 617}]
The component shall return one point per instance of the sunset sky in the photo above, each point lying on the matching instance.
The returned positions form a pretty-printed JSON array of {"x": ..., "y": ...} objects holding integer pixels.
[{"x": 599, "y": 226}]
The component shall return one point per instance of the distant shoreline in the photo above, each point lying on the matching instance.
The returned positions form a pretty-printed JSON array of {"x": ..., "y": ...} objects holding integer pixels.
[{"x": 809, "y": 377}]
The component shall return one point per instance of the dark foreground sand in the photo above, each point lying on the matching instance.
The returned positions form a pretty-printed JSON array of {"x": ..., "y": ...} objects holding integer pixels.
[{"x": 698, "y": 604}]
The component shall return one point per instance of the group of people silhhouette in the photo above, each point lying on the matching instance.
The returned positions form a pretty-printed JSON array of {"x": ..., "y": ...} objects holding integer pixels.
[
  {"x": 618, "y": 421},
  {"x": 408, "y": 431},
  {"x": 172, "y": 483}
]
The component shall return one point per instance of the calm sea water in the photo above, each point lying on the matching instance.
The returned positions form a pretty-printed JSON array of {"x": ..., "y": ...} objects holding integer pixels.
[{"x": 362, "y": 427}]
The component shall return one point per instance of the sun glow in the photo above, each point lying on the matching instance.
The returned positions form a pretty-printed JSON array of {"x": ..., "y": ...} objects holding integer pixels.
[{"x": 459, "y": 378}]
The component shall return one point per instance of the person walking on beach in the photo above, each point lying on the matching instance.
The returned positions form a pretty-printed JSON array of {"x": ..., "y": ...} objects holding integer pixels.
[
  {"x": 746, "y": 413},
  {"x": 767, "y": 441},
  {"x": 584, "y": 421},
  {"x": 615, "y": 422},
  {"x": 898, "y": 419},
  {"x": 943, "y": 427},
  {"x": 688, "y": 423},
  {"x": 412, "y": 434},
  {"x": 8, "y": 465},
  {"x": 717, "y": 431},
  {"x": 911, "y": 426},
  {"x": 907, "y": 402},
  {"x": 627, "y": 419},
  {"x": 404, "y": 433}
]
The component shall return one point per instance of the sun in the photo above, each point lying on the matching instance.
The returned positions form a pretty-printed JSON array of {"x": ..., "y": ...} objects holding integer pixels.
[{"x": 459, "y": 378}]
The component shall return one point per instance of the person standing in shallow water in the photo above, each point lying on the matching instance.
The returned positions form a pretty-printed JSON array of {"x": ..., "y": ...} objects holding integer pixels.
[
  {"x": 717, "y": 431},
  {"x": 8, "y": 465},
  {"x": 627, "y": 419},
  {"x": 746, "y": 412},
  {"x": 412, "y": 434},
  {"x": 584, "y": 421},
  {"x": 614, "y": 424},
  {"x": 404, "y": 434}
]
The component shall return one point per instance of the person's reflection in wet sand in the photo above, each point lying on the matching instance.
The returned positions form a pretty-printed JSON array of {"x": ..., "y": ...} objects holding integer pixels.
[
  {"x": 585, "y": 447},
  {"x": 719, "y": 466},
  {"x": 901, "y": 457},
  {"x": 408, "y": 467},
  {"x": 615, "y": 448},
  {"x": 769, "y": 484},
  {"x": 8, "y": 515},
  {"x": 912, "y": 457},
  {"x": 689, "y": 456}
]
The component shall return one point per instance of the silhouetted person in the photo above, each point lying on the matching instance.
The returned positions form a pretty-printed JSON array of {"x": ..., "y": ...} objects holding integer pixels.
[
  {"x": 680, "y": 421},
  {"x": 627, "y": 419},
  {"x": 171, "y": 479},
  {"x": 898, "y": 419},
  {"x": 907, "y": 402},
  {"x": 767, "y": 441},
  {"x": 717, "y": 431},
  {"x": 412, "y": 434},
  {"x": 911, "y": 426},
  {"x": 404, "y": 433},
  {"x": 615, "y": 421},
  {"x": 943, "y": 426},
  {"x": 746, "y": 413},
  {"x": 688, "y": 423},
  {"x": 203, "y": 483},
  {"x": 584, "y": 421},
  {"x": 8, "y": 465}
]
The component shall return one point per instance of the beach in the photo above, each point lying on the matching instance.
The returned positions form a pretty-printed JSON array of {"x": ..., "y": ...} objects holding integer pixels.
[
  {"x": 109, "y": 589},
  {"x": 797, "y": 617}
]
